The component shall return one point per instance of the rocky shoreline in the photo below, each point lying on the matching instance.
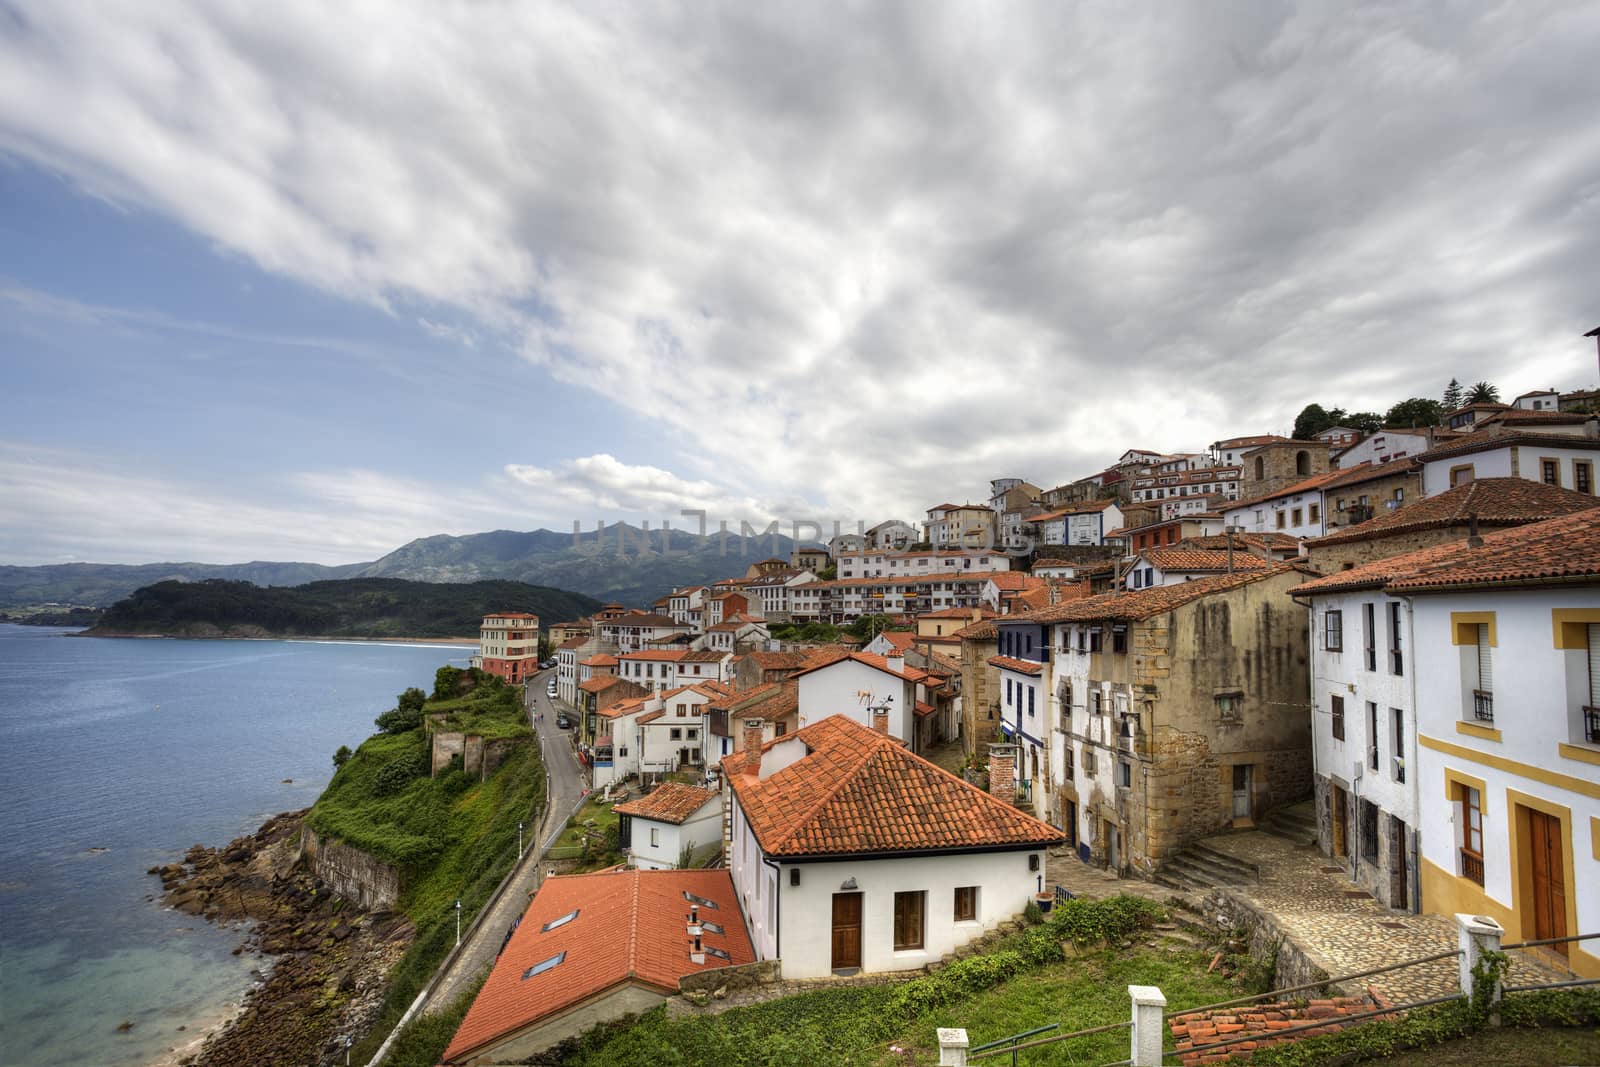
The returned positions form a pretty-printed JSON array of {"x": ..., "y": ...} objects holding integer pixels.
[{"x": 329, "y": 959}]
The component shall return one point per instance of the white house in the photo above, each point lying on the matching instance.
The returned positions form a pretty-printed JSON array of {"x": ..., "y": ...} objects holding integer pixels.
[
  {"x": 1295, "y": 510},
  {"x": 891, "y": 533},
  {"x": 853, "y": 686},
  {"x": 1180, "y": 563},
  {"x": 675, "y": 821},
  {"x": 1507, "y": 647},
  {"x": 1563, "y": 460},
  {"x": 1538, "y": 400},
  {"x": 959, "y": 524},
  {"x": 1078, "y": 524},
  {"x": 1385, "y": 446},
  {"x": 890, "y": 863}
]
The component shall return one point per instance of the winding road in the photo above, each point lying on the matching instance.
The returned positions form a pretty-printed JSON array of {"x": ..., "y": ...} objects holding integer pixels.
[{"x": 566, "y": 786}]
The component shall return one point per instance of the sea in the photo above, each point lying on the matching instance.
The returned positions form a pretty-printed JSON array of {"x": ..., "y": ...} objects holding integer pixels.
[{"x": 117, "y": 755}]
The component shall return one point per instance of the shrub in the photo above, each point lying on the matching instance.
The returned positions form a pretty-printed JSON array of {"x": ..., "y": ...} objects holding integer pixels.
[
  {"x": 341, "y": 756},
  {"x": 398, "y": 773},
  {"x": 399, "y": 720},
  {"x": 1083, "y": 921}
]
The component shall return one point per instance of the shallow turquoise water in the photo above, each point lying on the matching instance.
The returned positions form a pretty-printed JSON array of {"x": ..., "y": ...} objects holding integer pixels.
[{"x": 143, "y": 748}]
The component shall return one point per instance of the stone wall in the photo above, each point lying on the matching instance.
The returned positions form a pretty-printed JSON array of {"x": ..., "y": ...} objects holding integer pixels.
[
  {"x": 1280, "y": 466},
  {"x": 1294, "y": 964},
  {"x": 446, "y": 746},
  {"x": 980, "y": 691},
  {"x": 350, "y": 872},
  {"x": 742, "y": 976},
  {"x": 1338, "y": 557}
]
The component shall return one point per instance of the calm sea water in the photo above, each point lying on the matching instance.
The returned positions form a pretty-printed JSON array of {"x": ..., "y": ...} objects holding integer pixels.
[{"x": 143, "y": 748}]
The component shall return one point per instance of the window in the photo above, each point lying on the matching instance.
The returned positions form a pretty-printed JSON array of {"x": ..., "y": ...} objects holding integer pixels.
[
  {"x": 1230, "y": 706},
  {"x": 1333, "y": 631},
  {"x": 1302, "y": 462},
  {"x": 1372, "y": 736},
  {"x": 1282, "y": 520},
  {"x": 1067, "y": 770},
  {"x": 1008, "y": 690},
  {"x": 1096, "y": 702},
  {"x": 675, "y": 734},
  {"x": 1397, "y": 722},
  {"x": 1396, "y": 665},
  {"x": 691, "y": 734},
  {"x": 1030, "y": 701},
  {"x": 1583, "y": 475},
  {"x": 1096, "y": 638},
  {"x": 562, "y": 921},
  {"x": 1550, "y": 471},
  {"x": 655, "y": 836},
  {"x": 1125, "y": 774},
  {"x": 1119, "y": 638},
  {"x": 543, "y": 966},
  {"x": 1336, "y": 710},
  {"x": 1369, "y": 614},
  {"x": 1460, "y": 475},
  {"x": 966, "y": 909},
  {"x": 908, "y": 915},
  {"x": 1471, "y": 823},
  {"x": 1297, "y": 518},
  {"x": 1089, "y": 765},
  {"x": 1483, "y": 692},
  {"x": 1316, "y": 512},
  {"x": 683, "y": 709}
]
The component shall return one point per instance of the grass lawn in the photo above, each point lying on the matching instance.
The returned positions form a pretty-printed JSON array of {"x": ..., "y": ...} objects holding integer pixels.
[
  {"x": 862, "y": 1025},
  {"x": 601, "y": 814},
  {"x": 1507, "y": 1047}
]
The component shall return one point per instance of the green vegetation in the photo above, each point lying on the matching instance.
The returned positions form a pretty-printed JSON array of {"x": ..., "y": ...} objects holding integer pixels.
[
  {"x": 1024, "y": 983},
  {"x": 45, "y": 615},
  {"x": 822, "y": 632},
  {"x": 452, "y": 836},
  {"x": 591, "y": 837},
  {"x": 1504, "y": 1048},
  {"x": 425, "y": 1038},
  {"x": 359, "y": 607}
]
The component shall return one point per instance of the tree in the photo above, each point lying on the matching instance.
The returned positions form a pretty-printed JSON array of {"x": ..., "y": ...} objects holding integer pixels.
[
  {"x": 1483, "y": 393},
  {"x": 1311, "y": 421},
  {"x": 446, "y": 680},
  {"x": 1418, "y": 411},
  {"x": 1365, "y": 421},
  {"x": 412, "y": 700},
  {"x": 1452, "y": 395},
  {"x": 342, "y": 756}
]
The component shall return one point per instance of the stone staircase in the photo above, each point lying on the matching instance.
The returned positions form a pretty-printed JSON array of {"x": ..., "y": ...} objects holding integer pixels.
[
  {"x": 1296, "y": 822},
  {"x": 1200, "y": 867}
]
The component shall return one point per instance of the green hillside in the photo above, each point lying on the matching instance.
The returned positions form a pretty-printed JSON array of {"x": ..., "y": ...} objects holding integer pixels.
[{"x": 358, "y": 607}]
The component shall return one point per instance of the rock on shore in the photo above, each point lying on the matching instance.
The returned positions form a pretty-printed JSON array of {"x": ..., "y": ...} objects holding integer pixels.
[{"x": 329, "y": 958}]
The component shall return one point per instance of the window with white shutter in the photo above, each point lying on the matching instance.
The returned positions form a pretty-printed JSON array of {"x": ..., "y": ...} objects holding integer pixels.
[{"x": 1483, "y": 695}]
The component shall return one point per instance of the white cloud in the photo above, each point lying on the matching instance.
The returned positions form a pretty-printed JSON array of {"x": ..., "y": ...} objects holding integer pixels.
[{"x": 876, "y": 257}]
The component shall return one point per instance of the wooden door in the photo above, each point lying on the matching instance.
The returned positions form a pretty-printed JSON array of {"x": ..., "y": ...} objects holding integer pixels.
[
  {"x": 1241, "y": 791},
  {"x": 1341, "y": 823},
  {"x": 846, "y": 930},
  {"x": 1547, "y": 861}
]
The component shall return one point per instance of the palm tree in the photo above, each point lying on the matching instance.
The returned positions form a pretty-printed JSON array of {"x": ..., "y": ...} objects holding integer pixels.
[{"x": 1483, "y": 393}]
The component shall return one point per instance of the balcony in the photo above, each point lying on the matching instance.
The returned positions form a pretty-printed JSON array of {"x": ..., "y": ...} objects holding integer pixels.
[
  {"x": 1591, "y": 725},
  {"x": 1472, "y": 866},
  {"x": 1482, "y": 706},
  {"x": 1024, "y": 792}
]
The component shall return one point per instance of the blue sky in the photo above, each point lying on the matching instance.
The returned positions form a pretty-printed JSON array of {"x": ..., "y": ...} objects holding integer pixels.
[{"x": 301, "y": 282}]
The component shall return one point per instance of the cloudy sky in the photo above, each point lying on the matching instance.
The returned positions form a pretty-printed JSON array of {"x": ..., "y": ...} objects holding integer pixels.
[{"x": 304, "y": 281}]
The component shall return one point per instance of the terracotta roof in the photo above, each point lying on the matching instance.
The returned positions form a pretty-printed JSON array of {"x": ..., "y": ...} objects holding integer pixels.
[
  {"x": 945, "y": 663},
  {"x": 1556, "y": 551},
  {"x": 1274, "y": 541},
  {"x": 958, "y": 613},
  {"x": 978, "y": 631},
  {"x": 600, "y": 685},
  {"x": 1146, "y": 603},
  {"x": 1368, "y": 472},
  {"x": 1496, "y": 501},
  {"x": 1014, "y": 581},
  {"x": 1031, "y": 599},
  {"x": 510, "y": 615},
  {"x": 870, "y": 659},
  {"x": 923, "y": 709},
  {"x": 622, "y": 707},
  {"x": 857, "y": 791},
  {"x": 1486, "y": 442},
  {"x": 655, "y": 655},
  {"x": 783, "y": 701},
  {"x": 673, "y": 802},
  {"x": 626, "y": 925},
  {"x": 1183, "y": 559},
  {"x": 1240, "y": 442},
  {"x": 704, "y": 655},
  {"x": 599, "y": 659},
  {"x": 1305, "y": 485},
  {"x": 1473, "y": 407},
  {"x": 738, "y": 699},
  {"x": 777, "y": 661},
  {"x": 899, "y": 640},
  {"x": 571, "y": 643},
  {"x": 1020, "y": 666},
  {"x": 1546, "y": 417}
]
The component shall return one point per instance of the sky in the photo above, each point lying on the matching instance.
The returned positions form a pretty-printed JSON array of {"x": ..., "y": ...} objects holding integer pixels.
[{"x": 306, "y": 281}]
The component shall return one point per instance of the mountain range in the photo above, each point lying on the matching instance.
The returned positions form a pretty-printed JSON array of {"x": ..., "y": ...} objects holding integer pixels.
[{"x": 627, "y": 566}]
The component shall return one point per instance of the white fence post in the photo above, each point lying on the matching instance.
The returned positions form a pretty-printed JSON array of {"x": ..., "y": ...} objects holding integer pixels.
[
  {"x": 952, "y": 1047},
  {"x": 1148, "y": 1006},
  {"x": 1477, "y": 934}
]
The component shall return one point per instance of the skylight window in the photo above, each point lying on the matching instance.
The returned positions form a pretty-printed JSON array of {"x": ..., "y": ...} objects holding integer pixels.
[
  {"x": 702, "y": 901},
  {"x": 718, "y": 953},
  {"x": 543, "y": 966},
  {"x": 564, "y": 920},
  {"x": 712, "y": 928}
]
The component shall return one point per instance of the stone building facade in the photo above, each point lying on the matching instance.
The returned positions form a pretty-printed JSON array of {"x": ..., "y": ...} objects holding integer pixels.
[
  {"x": 1280, "y": 464},
  {"x": 980, "y": 686}
]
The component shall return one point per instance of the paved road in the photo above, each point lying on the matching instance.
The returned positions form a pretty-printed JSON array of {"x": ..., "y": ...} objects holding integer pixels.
[{"x": 566, "y": 785}]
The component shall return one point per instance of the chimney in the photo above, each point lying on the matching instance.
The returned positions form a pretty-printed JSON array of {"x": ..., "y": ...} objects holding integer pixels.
[
  {"x": 1003, "y": 772},
  {"x": 896, "y": 663},
  {"x": 880, "y": 718},
  {"x": 753, "y": 730},
  {"x": 977, "y": 613},
  {"x": 1473, "y": 540}
]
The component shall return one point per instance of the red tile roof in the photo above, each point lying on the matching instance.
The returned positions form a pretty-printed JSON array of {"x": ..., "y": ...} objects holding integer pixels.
[
  {"x": 958, "y": 613},
  {"x": 777, "y": 661},
  {"x": 781, "y": 703},
  {"x": 1020, "y": 666},
  {"x": 899, "y": 640},
  {"x": 629, "y": 925},
  {"x": 1496, "y": 502},
  {"x": 1182, "y": 559},
  {"x": 1557, "y": 551},
  {"x": 673, "y": 802},
  {"x": 1369, "y": 472},
  {"x": 655, "y": 655},
  {"x": 869, "y": 658},
  {"x": 599, "y": 659},
  {"x": 1305, "y": 485},
  {"x": 978, "y": 631},
  {"x": 857, "y": 791},
  {"x": 1014, "y": 581},
  {"x": 704, "y": 655},
  {"x": 1147, "y": 603},
  {"x": 571, "y": 643},
  {"x": 1484, "y": 442}
]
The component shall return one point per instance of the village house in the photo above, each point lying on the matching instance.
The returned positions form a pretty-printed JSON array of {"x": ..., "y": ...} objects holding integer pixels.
[
  {"x": 851, "y": 854},
  {"x": 1207, "y": 482},
  {"x": 601, "y": 691},
  {"x": 1267, "y": 468},
  {"x": 568, "y": 672},
  {"x": 736, "y": 635},
  {"x": 562, "y": 632},
  {"x": 1293, "y": 509},
  {"x": 1170, "y": 713},
  {"x": 661, "y": 669},
  {"x": 1560, "y": 459},
  {"x": 1000, "y": 590},
  {"x": 508, "y": 646},
  {"x": 1164, "y": 532},
  {"x": 769, "y": 594},
  {"x": 875, "y": 563},
  {"x": 1386, "y": 446},
  {"x": 936, "y": 630},
  {"x": 722, "y": 605},
  {"x": 773, "y": 706},
  {"x": 860, "y": 686},
  {"x": 891, "y": 534},
  {"x": 673, "y": 827},
  {"x": 686, "y": 605},
  {"x": 1024, "y": 712},
  {"x": 1076, "y": 524},
  {"x": 1180, "y": 563},
  {"x": 960, "y": 526},
  {"x": 980, "y": 685},
  {"x": 1490, "y": 503},
  {"x": 1362, "y": 491},
  {"x": 594, "y": 948},
  {"x": 635, "y": 630},
  {"x": 809, "y": 559}
]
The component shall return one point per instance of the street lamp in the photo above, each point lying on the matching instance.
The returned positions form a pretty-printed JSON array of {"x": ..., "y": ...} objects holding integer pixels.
[
  {"x": 458, "y": 922},
  {"x": 519, "y": 840},
  {"x": 348, "y": 1041}
]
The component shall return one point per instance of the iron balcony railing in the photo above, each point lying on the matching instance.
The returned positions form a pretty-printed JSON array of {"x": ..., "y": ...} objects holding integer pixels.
[
  {"x": 1591, "y": 725},
  {"x": 1482, "y": 706},
  {"x": 1472, "y": 866}
]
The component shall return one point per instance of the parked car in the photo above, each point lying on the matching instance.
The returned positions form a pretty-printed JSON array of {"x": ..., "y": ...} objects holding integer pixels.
[{"x": 563, "y": 723}]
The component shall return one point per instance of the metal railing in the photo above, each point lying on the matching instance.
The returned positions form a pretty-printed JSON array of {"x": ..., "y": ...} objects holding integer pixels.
[
  {"x": 1002, "y": 1043},
  {"x": 1591, "y": 725},
  {"x": 1482, "y": 705},
  {"x": 989, "y": 1049},
  {"x": 1451, "y": 953}
]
